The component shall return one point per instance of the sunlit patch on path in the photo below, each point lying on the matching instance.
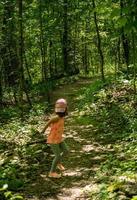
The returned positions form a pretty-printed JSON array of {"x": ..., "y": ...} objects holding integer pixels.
[{"x": 78, "y": 192}]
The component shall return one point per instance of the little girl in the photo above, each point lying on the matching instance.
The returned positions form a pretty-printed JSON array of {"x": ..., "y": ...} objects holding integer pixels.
[{"x": 55, "y": 137}]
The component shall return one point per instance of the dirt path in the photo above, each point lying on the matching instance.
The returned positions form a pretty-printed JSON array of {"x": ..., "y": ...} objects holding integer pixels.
[
  {"x": 77, "y": 176},
  {"x": 81, "y": 165},
  {"x": 69, "y": 92}
]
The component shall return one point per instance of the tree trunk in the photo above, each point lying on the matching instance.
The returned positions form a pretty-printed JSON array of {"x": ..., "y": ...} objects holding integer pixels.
[
  {"x": 50, "y": 59},
  {"x": 134, "y": 62},
  {"x": 85, "y": 58},
  {"x": 8, "y": 46},
  {"x": 65, "y": 37},
  {"x": 99, "y": 43},
  {"x": 125, "y": 41},
  {"x": 27, "y": 69},
  {"x": 55, "y": 62},
  {"x": 118, "y": 54},
  {"x": 21, "y": 80},
  {"x": 1, "y": 89},
  {"x": 42, "y": 44},
  {"x": 22, "y": 84}
]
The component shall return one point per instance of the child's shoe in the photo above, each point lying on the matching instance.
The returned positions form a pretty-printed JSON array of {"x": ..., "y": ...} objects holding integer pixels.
[
  {"x": 61, "y": 167},
  {"x": 54, "y": 175}
]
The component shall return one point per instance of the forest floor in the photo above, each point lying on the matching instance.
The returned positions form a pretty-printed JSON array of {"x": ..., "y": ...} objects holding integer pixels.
[{"x": 101, "y": 164}]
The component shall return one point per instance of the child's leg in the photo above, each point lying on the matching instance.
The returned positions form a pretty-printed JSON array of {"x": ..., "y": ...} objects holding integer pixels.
[
  {"x": 56, "y": 150},
  {"x": 64, "y": 148}
]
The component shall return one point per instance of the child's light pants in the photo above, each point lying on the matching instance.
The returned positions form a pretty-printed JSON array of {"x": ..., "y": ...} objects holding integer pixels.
[{"x": 59, "y": 150}]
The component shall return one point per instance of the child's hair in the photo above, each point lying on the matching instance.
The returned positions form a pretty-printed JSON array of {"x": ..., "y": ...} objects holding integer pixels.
[{"x": 61, "y": 107}]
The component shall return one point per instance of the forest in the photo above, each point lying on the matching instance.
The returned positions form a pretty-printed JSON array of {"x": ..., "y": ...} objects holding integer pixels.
[{"x": 84, "y": 51}]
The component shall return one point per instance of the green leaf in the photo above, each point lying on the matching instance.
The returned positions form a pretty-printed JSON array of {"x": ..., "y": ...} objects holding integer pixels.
[
  {"x": 115, "y": 186},
  {"x": 115, "y": 13},
  {"x": 16, "y": 197},
  {"x": 122, "y": 22},
  {"x": 126, "y": 10},
  {"x": 134, "y": 198},
  {"x": 8, "y": 194},
  {"x": 5, "y": 186}
]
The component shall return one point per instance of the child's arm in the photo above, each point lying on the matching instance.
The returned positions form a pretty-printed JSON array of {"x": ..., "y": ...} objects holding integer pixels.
[{"x": 52, "y": 120}]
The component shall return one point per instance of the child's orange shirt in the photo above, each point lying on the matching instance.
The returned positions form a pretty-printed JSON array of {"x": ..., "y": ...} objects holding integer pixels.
[{"x": 56, "y": 132}]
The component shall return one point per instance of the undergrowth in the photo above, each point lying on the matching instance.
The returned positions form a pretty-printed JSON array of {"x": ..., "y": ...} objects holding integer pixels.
[{"x": 111, "y": 110}]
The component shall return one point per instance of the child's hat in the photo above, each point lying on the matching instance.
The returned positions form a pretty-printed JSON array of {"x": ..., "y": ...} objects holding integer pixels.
[{"x": 60, "y": 105}]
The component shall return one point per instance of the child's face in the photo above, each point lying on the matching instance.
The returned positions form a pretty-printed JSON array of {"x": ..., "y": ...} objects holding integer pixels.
[{"x": 62, "y": 114}]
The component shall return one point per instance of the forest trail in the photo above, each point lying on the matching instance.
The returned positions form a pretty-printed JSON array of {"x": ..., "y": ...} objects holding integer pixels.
[
  {"x": 76, "y": 178},
  {"x": 81, "y": 165},
  {"x": 69, "y": 92}
]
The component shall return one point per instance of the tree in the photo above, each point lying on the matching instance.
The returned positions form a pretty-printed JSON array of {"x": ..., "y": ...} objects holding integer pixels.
[{"x": 99, "y": 42}]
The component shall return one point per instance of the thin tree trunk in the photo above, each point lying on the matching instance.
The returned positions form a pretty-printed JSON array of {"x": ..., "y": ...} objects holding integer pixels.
[
  {"x": 74, "y": 55},
  {"x": 50, "y": 59},
  {"x": 22, "y": 83},
  {"x": 55, "y": 62},
  {"x": 118, "y": 54},
  {"x": 75, "y": 37},
  {"x": 134, "y": 62},
  {"x": 85, "y": 58},
  {"x": 65, "y": 37},
  {"x": 8, "y": 48},
  {"x": 1, "y": 89},
  {"x": 27, "y": 69},
  {"x": 99, "y": 43},
  {"x": 126, "y": 50},
  {"x": 115, "y": 63},
  {"x": 125, "y": 41},
  {"x": 42, "y": 45},
  {"x": 21, "y": 80}
]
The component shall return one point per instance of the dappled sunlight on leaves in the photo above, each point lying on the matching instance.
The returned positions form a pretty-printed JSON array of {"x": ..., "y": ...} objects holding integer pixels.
[{"x": 88, "y": 148}]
